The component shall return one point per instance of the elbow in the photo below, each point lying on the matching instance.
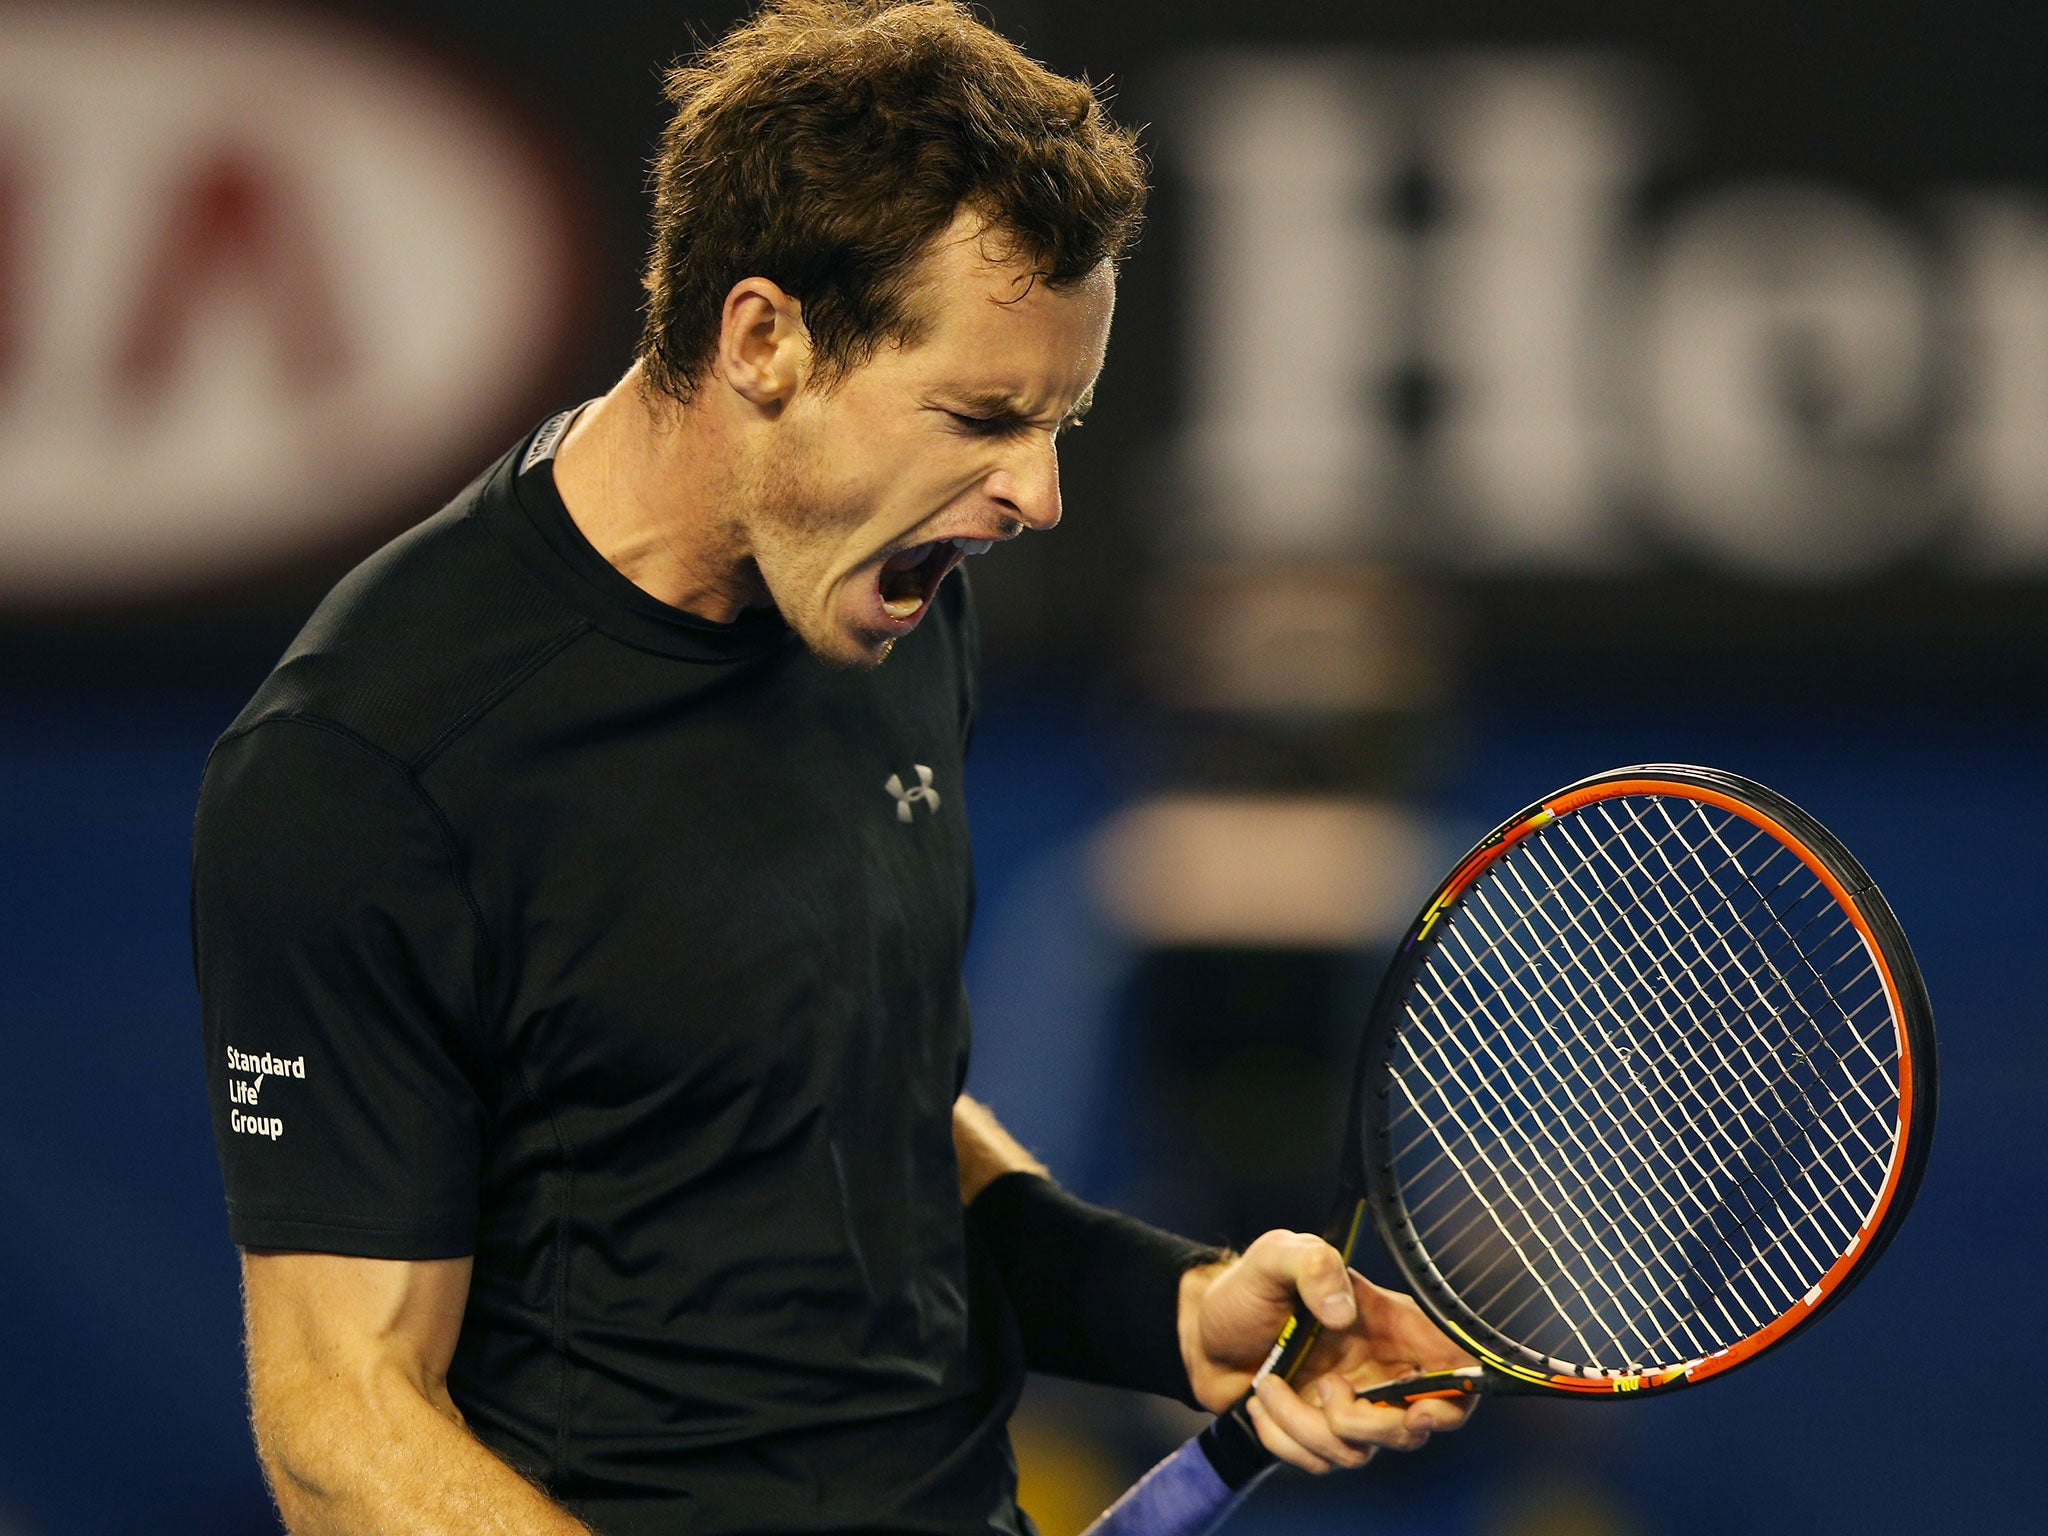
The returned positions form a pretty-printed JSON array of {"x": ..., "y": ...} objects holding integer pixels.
[
  {"x": 318, "y": 1437},
  {"x": 293, "y": 1476},
  {"x": 332, "y": 1442}
]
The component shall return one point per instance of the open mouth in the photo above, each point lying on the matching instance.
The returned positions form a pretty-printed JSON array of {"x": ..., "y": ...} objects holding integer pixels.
[{"x": 909, "y": 577}]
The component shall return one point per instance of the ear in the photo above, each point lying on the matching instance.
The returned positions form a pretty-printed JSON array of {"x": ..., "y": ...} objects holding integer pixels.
[{"x": 764, "y": 350}]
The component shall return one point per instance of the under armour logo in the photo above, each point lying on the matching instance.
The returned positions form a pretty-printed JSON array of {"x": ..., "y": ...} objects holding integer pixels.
[{"x": 906, "y": 799}]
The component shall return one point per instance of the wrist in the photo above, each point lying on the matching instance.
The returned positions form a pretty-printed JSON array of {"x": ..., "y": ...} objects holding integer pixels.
[
  {"x": 1195, "y": 1285},
  {"x": 1097, "y": 1295}
]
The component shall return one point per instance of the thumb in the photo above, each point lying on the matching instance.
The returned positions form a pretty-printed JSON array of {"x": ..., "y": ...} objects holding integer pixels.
[{"x": 1306, "y": 1266}]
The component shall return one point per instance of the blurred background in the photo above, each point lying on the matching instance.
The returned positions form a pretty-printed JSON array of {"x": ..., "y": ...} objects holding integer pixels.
[{"x": 1501, "y": 393}]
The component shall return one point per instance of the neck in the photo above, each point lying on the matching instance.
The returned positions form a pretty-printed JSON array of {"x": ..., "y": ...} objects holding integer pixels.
[{"x": 651, "y": 485}]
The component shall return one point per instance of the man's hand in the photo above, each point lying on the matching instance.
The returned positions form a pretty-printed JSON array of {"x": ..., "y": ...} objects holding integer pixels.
[{"x": 1230, "y": 1313}]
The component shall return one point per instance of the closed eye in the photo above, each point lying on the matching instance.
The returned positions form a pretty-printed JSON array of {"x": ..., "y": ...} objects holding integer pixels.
[{"x": 987, "y": 426}]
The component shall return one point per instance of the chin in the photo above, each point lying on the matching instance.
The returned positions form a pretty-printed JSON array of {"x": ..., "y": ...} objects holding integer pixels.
[{"x": 850, "y": 650}]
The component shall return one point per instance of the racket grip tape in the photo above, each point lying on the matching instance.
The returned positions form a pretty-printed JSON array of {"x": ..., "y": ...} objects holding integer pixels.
[{"x": 1184, "y": 1495}]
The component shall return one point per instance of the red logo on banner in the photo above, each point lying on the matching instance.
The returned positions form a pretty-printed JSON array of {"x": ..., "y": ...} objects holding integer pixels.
[
  {"x": 239, "y": 234},
  {"x": 265, "y": 283}
]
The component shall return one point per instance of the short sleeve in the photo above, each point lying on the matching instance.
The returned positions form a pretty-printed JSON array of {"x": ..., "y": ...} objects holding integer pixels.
[{"x": 336, "y": 958}]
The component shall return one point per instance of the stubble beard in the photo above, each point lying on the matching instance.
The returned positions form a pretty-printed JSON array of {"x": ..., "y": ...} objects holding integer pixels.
[{"x": 793, "y": 526}]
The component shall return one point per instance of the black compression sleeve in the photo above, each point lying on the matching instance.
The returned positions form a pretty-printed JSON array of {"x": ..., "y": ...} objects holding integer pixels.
[{"x": 1096, "y": 1293}]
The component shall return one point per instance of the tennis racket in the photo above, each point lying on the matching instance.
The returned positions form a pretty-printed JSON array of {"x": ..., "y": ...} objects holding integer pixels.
[{"x": 1647, "y": 1088}]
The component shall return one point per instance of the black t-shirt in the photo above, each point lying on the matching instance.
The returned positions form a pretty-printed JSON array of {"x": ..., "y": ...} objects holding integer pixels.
[{"x": 538, "y": 920}]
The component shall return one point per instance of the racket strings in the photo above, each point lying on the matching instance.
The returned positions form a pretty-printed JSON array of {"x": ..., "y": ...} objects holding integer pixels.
[
  {"x": 1780, "y": 1106},
  {"x": 1548, "y": 994},
  {"x": 1659, "y": 1272},
  {"x": 1634, "y": 1290},
  {"x": 1768, "y": 1085},
  {"x": 1772, "y": 1084},
  {"x": 1647, "y": 1087}
]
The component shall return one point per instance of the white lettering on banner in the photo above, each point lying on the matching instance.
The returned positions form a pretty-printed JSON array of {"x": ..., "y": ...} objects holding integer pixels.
[
  {"x": 1787, "y": 382},
  {"x": 244, "y": 1089},
  {"x": 2002, "y": 445},
  {"x": 1777, "y": 375},
  {"x": 1518, "y": 316},
  {"x": 261, "y": 276},
  {"x": 1277, "y": 430}
]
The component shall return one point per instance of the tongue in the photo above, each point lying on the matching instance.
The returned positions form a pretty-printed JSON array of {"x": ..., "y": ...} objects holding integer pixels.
[{"x": 902, "y": 590}]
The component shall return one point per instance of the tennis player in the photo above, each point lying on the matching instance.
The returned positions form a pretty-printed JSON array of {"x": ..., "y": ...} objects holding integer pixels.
[{"x": 579, "y": 906}]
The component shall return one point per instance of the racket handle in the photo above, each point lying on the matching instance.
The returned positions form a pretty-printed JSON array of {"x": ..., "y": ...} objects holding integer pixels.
[
  {"x": 1186, "y": 1494},
  {"x": 1196, "y": 1489},
  {"x": 1466, "y": 1381}
]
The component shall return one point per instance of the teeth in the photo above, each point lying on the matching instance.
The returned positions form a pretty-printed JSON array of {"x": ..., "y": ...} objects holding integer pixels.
[
  {"x": 901, "y": 607},
  {"x": 974, "y": 546}
]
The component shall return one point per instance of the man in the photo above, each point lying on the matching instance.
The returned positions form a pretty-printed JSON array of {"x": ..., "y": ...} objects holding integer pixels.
[{"x": 579, "y": 907}]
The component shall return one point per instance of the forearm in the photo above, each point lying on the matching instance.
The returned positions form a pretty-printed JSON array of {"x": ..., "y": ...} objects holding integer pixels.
[
  {"x": 375, "y": 1456},
  {"x": 1097, "y": 1295}
]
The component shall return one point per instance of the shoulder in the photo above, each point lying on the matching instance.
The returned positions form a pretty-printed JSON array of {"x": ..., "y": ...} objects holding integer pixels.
[
  {"x": 422, "y": 637},
  {"x": 298, "y": 815}
]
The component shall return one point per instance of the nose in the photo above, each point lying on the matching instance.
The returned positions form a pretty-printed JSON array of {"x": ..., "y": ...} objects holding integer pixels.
[{"x": 1027, "y": 486}]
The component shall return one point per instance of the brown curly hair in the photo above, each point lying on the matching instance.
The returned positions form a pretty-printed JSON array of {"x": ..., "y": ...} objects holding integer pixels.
[{"x": 824, "y": 143}]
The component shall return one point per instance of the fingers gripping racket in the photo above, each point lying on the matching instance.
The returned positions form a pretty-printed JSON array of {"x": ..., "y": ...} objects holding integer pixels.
[{"x": 1647, "y": 1087}]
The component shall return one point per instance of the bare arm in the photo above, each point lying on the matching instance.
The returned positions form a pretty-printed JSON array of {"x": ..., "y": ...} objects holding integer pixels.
[
  {"x": 986, "y": 1151},
  {"x": 348, "y": 1363}
]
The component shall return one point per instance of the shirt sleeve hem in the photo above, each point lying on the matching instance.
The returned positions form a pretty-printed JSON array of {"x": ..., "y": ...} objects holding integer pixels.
[{"x": 440, "y": 1240}]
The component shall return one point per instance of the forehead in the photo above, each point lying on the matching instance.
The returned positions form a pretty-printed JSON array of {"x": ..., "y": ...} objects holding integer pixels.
[{"x": 980, "y": 307}]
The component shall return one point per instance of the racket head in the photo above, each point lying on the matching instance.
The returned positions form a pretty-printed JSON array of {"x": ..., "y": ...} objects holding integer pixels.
[{"x": 1739, "y": 1119}]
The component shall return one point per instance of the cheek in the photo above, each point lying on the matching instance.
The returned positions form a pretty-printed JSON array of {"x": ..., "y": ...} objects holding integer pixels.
[
  {"x": 948, "y": 464},
  {"x": 906, "y": 481},
  {"x": 867, "y": 480}
]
